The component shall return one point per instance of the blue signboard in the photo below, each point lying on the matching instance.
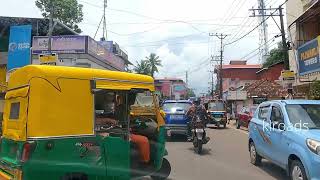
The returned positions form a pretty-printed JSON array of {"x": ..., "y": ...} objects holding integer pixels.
[
  {"x": 19, "y": 46},
  {"x": 308, "y": 57}
]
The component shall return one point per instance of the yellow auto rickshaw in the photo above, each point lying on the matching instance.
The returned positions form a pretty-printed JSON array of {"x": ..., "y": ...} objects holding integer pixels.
[{"x": 75, "y": 124}]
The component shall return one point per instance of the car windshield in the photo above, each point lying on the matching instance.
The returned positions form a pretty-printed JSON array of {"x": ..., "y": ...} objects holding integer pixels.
[
  {"x": 216, "y": 106},
  {"x": 307, "y": 115},
  {"x": 176, "y": 105}
]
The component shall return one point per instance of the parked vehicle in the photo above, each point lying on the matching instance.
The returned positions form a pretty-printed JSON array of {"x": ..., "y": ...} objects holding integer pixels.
[
  {"x": 176, "y": 119},
  {"x": 244, "y": 116},
  {"x": 72, "y": 123},
  {"x": 287, "y": 133},
  {"x": 217, "y": 110},
  {"x": 198, "y": 133}
]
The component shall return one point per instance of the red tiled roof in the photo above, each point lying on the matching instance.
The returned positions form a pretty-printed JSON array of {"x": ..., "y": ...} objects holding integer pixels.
[
  {"x": 248, "y": 66},
  {"x": 266, "y": 88}
]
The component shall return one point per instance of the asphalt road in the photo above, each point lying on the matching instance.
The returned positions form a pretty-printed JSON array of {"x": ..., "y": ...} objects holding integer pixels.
[{"x": 225, "y": 157}]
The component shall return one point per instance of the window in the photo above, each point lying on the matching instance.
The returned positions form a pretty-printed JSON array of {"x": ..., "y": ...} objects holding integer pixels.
[
  {"x": 276, "y": 115},
  {"x": 263, "y": 113},
  {"x": 14, "y": 110}
]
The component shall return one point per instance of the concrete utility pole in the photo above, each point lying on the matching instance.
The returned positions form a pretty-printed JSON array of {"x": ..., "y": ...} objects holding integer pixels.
[
  {"x": 187, "y": 78},
  {"x": 50, "y": 27},
  {"x": 221, "y": 37},
  {"x": 276, "y": 12}
]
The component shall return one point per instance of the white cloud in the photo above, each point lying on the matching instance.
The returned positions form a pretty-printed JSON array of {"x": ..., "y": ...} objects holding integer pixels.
[{"x": 178, "y": 54}]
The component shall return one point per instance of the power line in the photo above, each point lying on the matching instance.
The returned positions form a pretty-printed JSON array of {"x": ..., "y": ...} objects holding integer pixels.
[
  {"x": 268, "y": 42},
  {"x": 254, "y": 27}
]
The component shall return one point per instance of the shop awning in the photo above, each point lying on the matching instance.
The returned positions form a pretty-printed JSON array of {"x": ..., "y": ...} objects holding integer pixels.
[{"x": 311, "y": 11}]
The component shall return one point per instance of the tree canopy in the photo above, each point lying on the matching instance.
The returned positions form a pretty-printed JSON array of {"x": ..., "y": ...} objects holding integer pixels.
[
  {"x": 149, "y": 65},
  {"x": 276, "y": 55},
  {"x": 69, "y": 12}
]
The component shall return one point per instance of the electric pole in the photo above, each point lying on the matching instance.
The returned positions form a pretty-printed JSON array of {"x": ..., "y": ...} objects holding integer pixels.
[
  {"x": 187, "y": 78},
  {"x": 104, "y": 28},
  {"x": 284, "y": 41},
  {"x": 275, "y": 12},
  {"x": 50, "y": 27},
  {"x": 221, "y": 37}
]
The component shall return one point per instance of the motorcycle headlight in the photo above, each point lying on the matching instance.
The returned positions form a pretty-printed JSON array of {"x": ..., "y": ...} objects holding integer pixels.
[{"x": 314, "y": 146}]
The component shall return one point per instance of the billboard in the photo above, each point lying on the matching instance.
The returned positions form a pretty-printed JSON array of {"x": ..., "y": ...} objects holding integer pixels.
[
  {"x": 19, "y": 46},
  {"x": 237, "y": 95},
  {"x": 308, "y": 57},
  {"x": 100, "y": 52},
  {"x": 59, "y": 44}
]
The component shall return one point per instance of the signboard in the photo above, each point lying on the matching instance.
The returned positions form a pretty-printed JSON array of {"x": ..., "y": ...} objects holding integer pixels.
[
  {"x": 59, "y": 44},
  {"x": 179, "y": 88},
  {"x": 100, "y": 52},
  {"x": 308, "y": 57},
  {"x": 19, "y": 46},
  {"x": 237, "y": 95},
  {"x": 48, "y": 58},
  {"x": 288, "y": 75}
]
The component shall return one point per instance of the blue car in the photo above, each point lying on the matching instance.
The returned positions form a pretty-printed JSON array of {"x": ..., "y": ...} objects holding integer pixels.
[
  {"x": 176, "y": 119},
  {"x": 287, "y": 133}
]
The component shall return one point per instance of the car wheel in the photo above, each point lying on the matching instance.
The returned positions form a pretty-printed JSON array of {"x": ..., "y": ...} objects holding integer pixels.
[
  {"x": 255, "y": 158},
  {"x": 237, "y": 124},
  {"x": 297, "y": 171}
]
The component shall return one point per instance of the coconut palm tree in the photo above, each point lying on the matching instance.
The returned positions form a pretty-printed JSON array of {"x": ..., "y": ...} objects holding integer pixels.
[
  {"x": 142, "y": 67},
  {"x": 153, "y": 62}
]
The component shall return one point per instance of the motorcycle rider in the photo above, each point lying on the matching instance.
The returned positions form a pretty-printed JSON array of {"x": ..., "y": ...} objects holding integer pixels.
[{"x": 196, "y": 108}]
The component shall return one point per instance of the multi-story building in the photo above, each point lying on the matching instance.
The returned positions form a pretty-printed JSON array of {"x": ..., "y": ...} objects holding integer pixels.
[
  {"x": 72, "y": 49},
  {"x": 171, "y": 88},
  {"x": 303, "y": 17}
]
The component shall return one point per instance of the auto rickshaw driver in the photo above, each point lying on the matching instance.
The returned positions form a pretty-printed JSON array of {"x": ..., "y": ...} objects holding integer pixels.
[{"x": 142, "y": 142}]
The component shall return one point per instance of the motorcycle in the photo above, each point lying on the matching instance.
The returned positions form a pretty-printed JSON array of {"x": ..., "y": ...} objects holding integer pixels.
[{"x": 199, "y": 134}]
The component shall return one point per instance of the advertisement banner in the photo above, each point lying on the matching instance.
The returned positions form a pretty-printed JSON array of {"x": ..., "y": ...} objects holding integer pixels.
[
  {"x": 179, "y": 88},
  {"x": 59, "y": 44},
  {"x": 19, "y": 46},
  {"x": 308, "y": 57},
  {"x": 100, "y": 52}
]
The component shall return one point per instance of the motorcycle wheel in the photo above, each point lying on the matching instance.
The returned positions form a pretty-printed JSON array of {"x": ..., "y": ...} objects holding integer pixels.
[
  {"x": 195, "y": 142},
  {"x": 199, "y": 147}
]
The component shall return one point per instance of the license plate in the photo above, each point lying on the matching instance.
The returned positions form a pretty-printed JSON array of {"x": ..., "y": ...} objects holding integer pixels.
[
  {"x": 199, "y": 130},
  {"x": 168, "y": 133},
  {"x": 177, "y": 117}
]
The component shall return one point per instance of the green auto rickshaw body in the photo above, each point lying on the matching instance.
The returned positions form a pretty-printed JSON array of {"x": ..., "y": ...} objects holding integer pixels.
[{"x": 49, "y": 129}]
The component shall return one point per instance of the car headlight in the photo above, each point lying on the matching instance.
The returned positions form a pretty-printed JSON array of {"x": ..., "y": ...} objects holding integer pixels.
[{"x": 314, "y": 146}]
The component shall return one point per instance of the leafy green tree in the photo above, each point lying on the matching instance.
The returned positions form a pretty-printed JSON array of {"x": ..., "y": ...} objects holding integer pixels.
[
  {"x": 190, "y": 93},
  {"x": 69, "y": 12},
  {"x": 315, "y": 90},
  {"x": 276, "y": 55},
  {"x": 142, "y": 67},
  {"x": 153, "y": 62}
]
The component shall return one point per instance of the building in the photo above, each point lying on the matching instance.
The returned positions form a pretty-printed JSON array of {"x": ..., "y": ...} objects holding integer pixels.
[
  {"x": 171, "y": 88},
  {"x": 235, "y": 76},
  {"x": 271, "y": 73},
  {"x": 72, "y": 49},
  {"x": 303, "y": 17},
  {"x": 249, "y": 85}
]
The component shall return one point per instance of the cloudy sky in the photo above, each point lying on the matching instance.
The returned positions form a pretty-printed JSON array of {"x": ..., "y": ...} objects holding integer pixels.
[{"x": 176, "y": 30}]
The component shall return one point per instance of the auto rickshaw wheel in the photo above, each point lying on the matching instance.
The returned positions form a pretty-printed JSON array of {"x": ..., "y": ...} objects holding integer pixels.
[{"x": 164, "y": 172}]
